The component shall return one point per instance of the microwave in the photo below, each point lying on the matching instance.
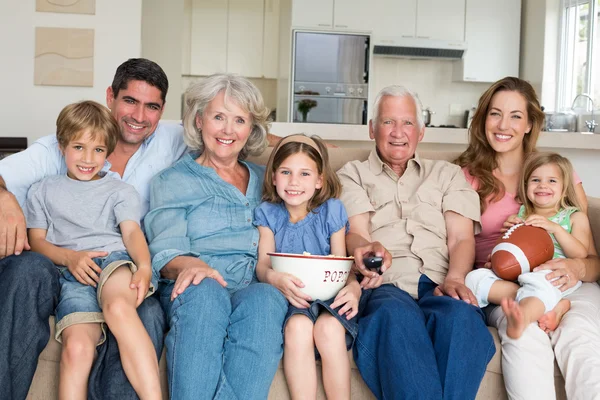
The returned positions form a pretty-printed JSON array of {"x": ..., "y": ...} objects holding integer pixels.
[{"x": 11, "y": 145}]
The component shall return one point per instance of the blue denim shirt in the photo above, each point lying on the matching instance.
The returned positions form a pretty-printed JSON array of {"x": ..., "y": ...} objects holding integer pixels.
[
  {"x": 193, "y": 212},
  {"x": 44, "y": 158}
]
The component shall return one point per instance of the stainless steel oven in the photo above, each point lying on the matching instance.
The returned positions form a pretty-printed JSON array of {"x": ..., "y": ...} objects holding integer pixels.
[
  {"x": 11, "y": 145},
  {"x": 330, "y": 78}
]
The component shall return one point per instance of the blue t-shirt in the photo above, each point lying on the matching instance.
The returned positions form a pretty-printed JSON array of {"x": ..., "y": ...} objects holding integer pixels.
[{"x": 312, "y": 234}]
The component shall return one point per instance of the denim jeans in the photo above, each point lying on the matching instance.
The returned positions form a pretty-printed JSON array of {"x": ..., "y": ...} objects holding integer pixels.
[
  {"x": 28, "y": 294},
  {"x": 432, "y": 348},
  {"x": 223, "y": 345}
]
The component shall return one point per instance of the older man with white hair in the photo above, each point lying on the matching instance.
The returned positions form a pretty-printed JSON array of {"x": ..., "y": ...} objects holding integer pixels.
[{"x": 421, "y": 334}]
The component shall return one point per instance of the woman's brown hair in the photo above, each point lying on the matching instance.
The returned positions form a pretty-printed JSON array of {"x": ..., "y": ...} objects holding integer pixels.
[
  {"x": 479, "y": 157},
  {"x": 331, "y": 187},
  {"x": 568, "y": 197}
]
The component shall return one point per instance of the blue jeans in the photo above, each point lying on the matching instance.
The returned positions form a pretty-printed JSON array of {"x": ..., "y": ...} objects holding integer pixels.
[
  {"x": 432, "y": 348},
  {"x": 28, "y": 294},
  {"x": 223, "y": 345}
]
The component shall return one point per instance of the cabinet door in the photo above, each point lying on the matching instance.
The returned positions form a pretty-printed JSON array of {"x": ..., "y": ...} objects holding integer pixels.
[
  {"x": 441, "y": 19},
  {"x": 493, "y": 31},
  {"x": 312, "y": 13},
  {"x": 245, "y": 37},
  {"x": 208, "y": 37},
  {"x": 393, "y": 19},
  {"x": 271, "y": 39},
  {"x": 356, "y": 15}
]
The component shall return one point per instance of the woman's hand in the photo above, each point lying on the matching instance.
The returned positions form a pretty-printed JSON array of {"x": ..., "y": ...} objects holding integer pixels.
[
  {"x": 193, "y": 276},
  {"x": 566, "y": 272},
  {"x": 542, "y": 222},
  {"x": 81, "y": 266},
  {"x": 510, "y": 222},
  {"x": 140, "y": 281},
  {"x": 289, "y": 286},
  {"x": 348, "y": 298}
]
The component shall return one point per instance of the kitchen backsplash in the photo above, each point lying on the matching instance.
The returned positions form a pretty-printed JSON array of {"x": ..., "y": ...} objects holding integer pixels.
[{"x": 432, "y": 81}]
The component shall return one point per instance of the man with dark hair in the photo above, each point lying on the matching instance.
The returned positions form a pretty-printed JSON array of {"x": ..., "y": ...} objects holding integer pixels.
[{"x": 28, "y": 281}]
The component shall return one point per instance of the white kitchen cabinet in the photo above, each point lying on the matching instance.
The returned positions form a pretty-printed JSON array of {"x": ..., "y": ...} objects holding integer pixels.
[
  {"x": 312, "y": 13},
  {"x": 393, "y": 19},
  {"x": 441, "y": 19},
  {"x": 492, "y": 32},
  {"x": 245, "y": 37},
  {"x": 208, "y": 44},
  {"x": 270, "y": 60},
  {"x": 356, "y": 15}
]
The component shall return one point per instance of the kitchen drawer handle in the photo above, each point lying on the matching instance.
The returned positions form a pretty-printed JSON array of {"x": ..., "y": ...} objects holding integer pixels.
[
  {"x": 423, "y": 37},
  {"x": 323, "y": 24},
  {"x": 407, "y": 36},
  {"x": 341, "y": 26}
]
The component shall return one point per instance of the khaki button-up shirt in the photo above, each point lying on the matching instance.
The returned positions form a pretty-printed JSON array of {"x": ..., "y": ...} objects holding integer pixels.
[{"x": 407, "y": 212}]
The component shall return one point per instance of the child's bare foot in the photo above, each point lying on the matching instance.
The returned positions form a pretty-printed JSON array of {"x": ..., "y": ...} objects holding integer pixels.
[
  {"x": 549, "y": 321},
  {"x": 515, "y": 318}
]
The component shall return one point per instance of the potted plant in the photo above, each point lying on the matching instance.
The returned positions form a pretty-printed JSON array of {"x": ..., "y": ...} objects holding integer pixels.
[{"x": 304, "y": 106}]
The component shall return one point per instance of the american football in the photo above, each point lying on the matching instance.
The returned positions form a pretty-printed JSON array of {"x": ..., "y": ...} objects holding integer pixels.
[{"x": 520, "y": 250}]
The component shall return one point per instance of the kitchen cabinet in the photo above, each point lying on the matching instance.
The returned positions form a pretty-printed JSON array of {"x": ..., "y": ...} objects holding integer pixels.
[
  {"x": 312, "y": 13},
  {"x": 492, "y": 32},
  {"x": 245, "y": 37},
  {"x": 270, "y": 59},
  {"x": 441, "y": 20},
  {"x": 388, "y": 25},
  {"x": 208, "y": 44},
  {"x": 353, "y": 15},
  {"x": 236, "y": 36}
]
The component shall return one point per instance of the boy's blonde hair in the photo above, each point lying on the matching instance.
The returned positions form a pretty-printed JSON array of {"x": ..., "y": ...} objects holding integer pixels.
[
  {"x": 568, "y": 197},
  {"x": 87, "y": 116},
  {"x": 331, "y": 188}
]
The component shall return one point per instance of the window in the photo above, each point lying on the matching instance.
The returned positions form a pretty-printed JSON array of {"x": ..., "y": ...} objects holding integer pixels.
[{"x": 579, "y": 55}]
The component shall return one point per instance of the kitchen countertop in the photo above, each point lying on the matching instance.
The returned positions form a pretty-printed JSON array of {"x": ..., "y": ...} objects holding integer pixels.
[{"x": 551, "y": 140}]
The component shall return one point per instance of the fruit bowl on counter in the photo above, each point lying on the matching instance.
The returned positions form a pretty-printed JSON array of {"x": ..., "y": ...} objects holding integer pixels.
[{"x": 323, "y": 276}]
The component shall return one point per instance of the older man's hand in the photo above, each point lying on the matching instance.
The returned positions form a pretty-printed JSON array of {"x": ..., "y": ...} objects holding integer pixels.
[
  {"x": 456, "y": 289},
  {"x": 13, "y": 230},
  {"x": 371, "y": 279}
]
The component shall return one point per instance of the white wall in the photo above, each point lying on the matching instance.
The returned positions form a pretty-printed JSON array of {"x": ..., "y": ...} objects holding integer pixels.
[
  {"x": 162, "y": 35},
  {"x": 31, "y": 111},
  {"x": 432, "y": 81}
]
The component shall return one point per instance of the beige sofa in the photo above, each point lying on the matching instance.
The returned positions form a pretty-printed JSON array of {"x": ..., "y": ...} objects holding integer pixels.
[{"x": 45, "y": 383}]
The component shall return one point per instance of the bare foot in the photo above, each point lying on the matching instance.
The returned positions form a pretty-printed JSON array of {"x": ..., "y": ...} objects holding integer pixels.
[
  {"x": 515, "y": 318},
  {"x": 549, "y": 321}
]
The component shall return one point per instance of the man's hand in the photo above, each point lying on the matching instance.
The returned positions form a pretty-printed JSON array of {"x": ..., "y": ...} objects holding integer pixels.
[
  {"x": 456, "y": 289},
  {"x": 140, "y": 281},
  {"x": 371, "y": 279},
  {"x": 193, "y": 276},
  {"x": 13, "y": 230},
  {"x": 83, "y": 268}
]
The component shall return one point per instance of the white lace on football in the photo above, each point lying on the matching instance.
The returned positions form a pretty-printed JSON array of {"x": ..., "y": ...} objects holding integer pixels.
[{"x": 511, "y": 230}]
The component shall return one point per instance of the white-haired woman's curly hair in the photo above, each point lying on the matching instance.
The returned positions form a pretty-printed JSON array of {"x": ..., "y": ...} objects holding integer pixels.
[{"x": 237, "y": 89}]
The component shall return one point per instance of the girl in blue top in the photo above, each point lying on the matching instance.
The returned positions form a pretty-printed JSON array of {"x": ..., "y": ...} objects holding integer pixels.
[{"x": 301, "y": 213}]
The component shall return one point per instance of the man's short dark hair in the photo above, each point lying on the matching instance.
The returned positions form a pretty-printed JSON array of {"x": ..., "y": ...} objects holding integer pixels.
[{"x": 140, "y": 69}]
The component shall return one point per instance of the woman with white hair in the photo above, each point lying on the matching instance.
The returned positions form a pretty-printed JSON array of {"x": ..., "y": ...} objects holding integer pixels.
[{"x": 225, "y": 338}]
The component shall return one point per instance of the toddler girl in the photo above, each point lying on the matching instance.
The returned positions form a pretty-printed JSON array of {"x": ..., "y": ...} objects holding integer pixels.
[
  {"x": 300, "y": 212},
  {"x": 549, "y": 202}
]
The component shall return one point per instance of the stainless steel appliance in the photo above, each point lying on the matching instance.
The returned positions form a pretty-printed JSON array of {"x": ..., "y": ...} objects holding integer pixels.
[{"x": 330, "y": 78}]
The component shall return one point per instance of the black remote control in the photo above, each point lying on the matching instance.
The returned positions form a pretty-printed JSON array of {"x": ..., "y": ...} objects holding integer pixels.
[{"x": 373, "y": 263}]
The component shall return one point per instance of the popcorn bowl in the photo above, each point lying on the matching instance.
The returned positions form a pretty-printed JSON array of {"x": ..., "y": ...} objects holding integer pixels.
[{"x": 323, "y": 276}]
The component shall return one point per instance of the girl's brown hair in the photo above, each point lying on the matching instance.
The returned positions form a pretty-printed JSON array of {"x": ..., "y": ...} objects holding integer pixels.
[
  {"x": 480, "y": 157},
  {"x": 568, "y": 197},
  {"x": 331, "y": 187}
]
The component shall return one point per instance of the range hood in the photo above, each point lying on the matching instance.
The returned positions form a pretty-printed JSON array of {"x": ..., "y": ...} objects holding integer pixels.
[{"x": 419, "y": 48}]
